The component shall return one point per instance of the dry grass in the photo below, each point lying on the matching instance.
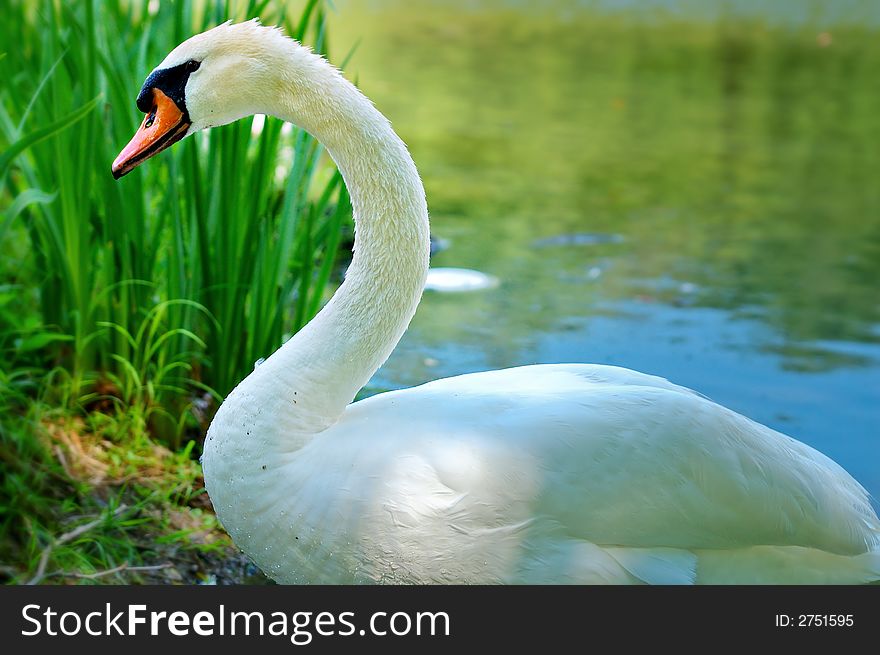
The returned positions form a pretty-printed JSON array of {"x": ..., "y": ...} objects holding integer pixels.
[{"x": 92, "y": 458}]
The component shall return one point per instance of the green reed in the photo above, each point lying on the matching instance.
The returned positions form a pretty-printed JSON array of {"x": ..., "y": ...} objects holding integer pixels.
[{"x": 172, "y": 281}]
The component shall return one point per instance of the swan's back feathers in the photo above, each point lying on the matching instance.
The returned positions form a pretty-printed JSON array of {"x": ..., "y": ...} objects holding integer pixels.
[
  {"x": 549, "y": 474},
  {"x": 622, "y": 458}
]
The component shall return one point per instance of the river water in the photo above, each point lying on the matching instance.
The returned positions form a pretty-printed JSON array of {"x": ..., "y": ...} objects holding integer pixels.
[{"x": 692, "y": 194}]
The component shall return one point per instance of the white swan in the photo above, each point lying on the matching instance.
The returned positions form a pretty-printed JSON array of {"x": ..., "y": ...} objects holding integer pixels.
[{"x": 544, "y": 474}]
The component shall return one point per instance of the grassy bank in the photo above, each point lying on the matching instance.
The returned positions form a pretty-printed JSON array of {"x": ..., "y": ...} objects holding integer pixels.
[{"x": 129, "y": 309}]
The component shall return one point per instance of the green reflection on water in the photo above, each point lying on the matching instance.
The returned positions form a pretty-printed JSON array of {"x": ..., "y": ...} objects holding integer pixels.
[{"x": 737, "y": 157}]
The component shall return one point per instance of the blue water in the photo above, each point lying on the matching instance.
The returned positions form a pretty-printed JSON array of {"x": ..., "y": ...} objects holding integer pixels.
[{"x": 692, "y": 196}]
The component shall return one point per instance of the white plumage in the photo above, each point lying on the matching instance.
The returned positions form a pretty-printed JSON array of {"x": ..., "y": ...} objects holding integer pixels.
[
  {"x": 554, "y": 474},
  {"x": 542, "y": 474}
]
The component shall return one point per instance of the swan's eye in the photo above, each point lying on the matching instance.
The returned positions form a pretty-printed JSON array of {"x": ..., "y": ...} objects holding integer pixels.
[{"x": 192, "y": 65}]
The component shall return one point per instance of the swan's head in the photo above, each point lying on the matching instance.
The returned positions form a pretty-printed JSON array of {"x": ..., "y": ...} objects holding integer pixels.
[{"x": 211, "y": 79}]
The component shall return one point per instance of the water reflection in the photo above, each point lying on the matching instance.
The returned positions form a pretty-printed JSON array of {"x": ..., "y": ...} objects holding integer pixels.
[{"x": 733, "y": 159}]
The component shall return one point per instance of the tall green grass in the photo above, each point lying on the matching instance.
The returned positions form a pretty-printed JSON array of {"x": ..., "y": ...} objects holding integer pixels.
[
  {"x": 126, "y": 304},
  {"x": 171, "y": 282}
]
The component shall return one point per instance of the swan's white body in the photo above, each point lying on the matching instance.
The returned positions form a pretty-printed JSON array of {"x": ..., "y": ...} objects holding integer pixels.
[{"x": 558, "y": 473}]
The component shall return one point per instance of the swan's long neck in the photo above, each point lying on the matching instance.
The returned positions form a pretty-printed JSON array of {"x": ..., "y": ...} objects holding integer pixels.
[{"x": 305, "y": 386}]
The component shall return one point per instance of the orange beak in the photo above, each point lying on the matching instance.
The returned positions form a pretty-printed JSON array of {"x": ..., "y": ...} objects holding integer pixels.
[{"x": 164, "y": 125}]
